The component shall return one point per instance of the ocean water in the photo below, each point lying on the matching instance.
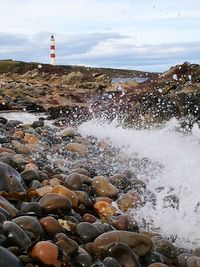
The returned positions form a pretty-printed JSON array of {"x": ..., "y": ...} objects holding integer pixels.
[
  {"x": 125, "y": 80},
  {"x": 172, "y": 175},
  {"x": 25, "y": 117}
]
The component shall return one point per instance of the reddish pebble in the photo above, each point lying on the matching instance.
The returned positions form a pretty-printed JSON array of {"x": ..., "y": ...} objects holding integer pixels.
[{"x": 89, "y": 218}]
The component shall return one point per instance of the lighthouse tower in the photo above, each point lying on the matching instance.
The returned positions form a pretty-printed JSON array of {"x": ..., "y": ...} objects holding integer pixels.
[{"x": 52, "y": 53}]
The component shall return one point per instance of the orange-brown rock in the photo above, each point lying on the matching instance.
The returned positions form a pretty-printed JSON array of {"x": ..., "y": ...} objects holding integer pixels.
[
  {"x": 30, "y": 139},
  {"x": 103, "y": 187},
  {"x": 105, "y": 209},
  {"x": 54, "y": 181},
  {"x": 31, "y": 166},
  {"x": 47, "y": 253},
  {"x": 18, "y": 134},
  {"x": 126, "y": 201},
  {"x": 51, "y": 225},
  {"x": 44, "y": 190},
  {"x": 62, "y": 190},
  {"x": 157, "y": 264}
]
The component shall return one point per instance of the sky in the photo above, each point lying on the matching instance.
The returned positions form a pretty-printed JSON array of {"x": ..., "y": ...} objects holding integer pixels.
[{"x": 149, "y": 35}]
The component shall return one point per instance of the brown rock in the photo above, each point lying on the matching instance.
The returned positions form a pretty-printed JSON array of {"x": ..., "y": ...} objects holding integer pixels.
[
  {"x": 105, "y": 209},
  {"x": 126, "y": 201},
  {"x": 103, "y": 187},
  {"x": 54, "y": 181},
  {"x": 73, "y": 181},
  {"x": 77, "y": 148},
  {"x": 51, "y": 225},
  {"x": 62, "y": 190},
  {"x": 53, "y": 202},
  {"x": 157, "y": 264},
  {"x": 7, "y": 150},
  {"x": 68, "y": 244},
  {"x": 47, "y": 253},
  {"x": 44, "y": 190},
  {"x": 193, "y": 261},
  {"x": 140, "y": 244},
  {"x": 30, "y": 139}
]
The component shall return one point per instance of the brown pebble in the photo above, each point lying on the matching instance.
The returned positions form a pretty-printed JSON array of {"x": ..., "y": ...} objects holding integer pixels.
[
  {"x": 89, "y": 218},
  {"x": 68, "y": 244},
  {"x": 54, "y": 181},
  {"x": 120, "y": 222},
  {"x": 157, "y": 264},
  {"x": 105, "y": 209},
  {"x": 140, "y": 244},
  {"x": 103, "y": 187},
  {"x": 47, "y": 253},
  {"x": 44, "y": 190},
  {"x": 53, "y": 202},
  {"x": 51, "y": 225},
  {"x": 62, "y": 190}
]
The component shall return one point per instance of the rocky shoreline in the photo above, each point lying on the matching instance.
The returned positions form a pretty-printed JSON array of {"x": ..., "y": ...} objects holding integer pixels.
[
  {"x": 75, "y": 94},
  {"x": 64, "y": 200},
  {"x": 59, "y": 193}
]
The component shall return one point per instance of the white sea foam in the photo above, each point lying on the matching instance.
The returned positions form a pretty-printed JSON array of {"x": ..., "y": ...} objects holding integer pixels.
[
  {"x": 24, "y": 117},
  {"x": 178, "y": 154}
]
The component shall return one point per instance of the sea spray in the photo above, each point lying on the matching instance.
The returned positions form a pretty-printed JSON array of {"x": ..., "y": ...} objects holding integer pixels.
[{"x": 171, "y": 171}]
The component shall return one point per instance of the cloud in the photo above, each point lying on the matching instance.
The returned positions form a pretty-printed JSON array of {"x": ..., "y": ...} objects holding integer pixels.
[
  {"x": 117, "y": 53},
  {"x": 99, "y": 49},
  {"x": 37, "y": 47}
]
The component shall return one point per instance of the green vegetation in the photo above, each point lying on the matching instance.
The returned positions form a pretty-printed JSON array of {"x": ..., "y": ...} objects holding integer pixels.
[{"x": 9, "y": 65}]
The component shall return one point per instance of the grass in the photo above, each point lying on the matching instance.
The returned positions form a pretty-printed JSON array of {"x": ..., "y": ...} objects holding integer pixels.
[{"x": 8, "y": 65}]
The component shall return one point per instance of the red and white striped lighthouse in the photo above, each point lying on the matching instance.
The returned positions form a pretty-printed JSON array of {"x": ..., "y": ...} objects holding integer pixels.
[{"x": 52, "y": 48}]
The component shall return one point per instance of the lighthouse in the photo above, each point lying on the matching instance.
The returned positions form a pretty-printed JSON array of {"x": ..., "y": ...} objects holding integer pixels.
[{"x": 52, "y": 51}]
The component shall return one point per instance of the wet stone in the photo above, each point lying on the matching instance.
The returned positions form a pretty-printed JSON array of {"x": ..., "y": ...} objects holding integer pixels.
[
  {"x": 167, "y": 249},
  {"x": 3, "y": 120},
  {"x": 8, "y": 259},
  {"x": 69, "y": 245},
  {"x": 157, "y": 264},
  {"x": 197, "y": 251},
  {"x": 35, "y": 184},
  {"x": 16, "y": 235},
  {"x": 122, "y": 253},
  {"x": 46, "y": 252},
  {"x": 98, "y": 264},
  {"x": 29, "y": 223},
  {"x": 37, "y": 124},
  {"x": 82, "y": 260},
  {"x": 103, "y": 187},
  {"x": 62, "y": 190},
  {"x": 53, "y": 202},
  {"x": 9, "y": 160},
  {"x": 140, "y": 244},
  {"x": 82, "y": 171},
  {"x": 77, "y": 148},
  {"x": 32, "y": 207},
  {"x": 73, "y": 181},
  {"x": 182, "y": 259},
  {"x": 87, "y": 231},
  {"x": 120, "y": 181},
  {"x": 51, "y": 225},
  {"x": 111, "y": 262},
  {"x": 193, "y": 261},
  {"x": 153, "y": 257},
  {"x": 30, "y": 175},
  {"x": 10, "y": 179}
]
